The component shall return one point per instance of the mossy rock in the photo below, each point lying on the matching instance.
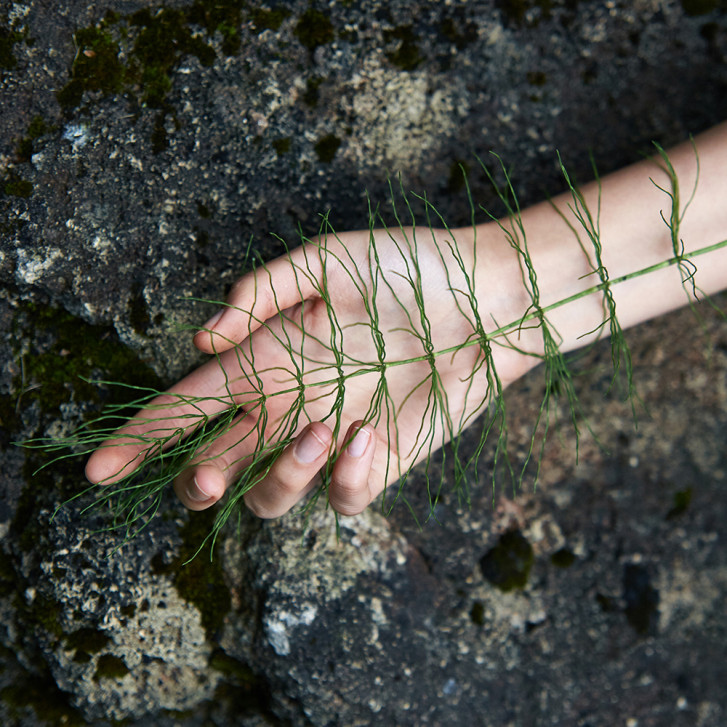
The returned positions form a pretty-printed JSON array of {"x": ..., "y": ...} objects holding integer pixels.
[
  {"x": 64, "y": 351},
  {"x": 406, "y": 54},
  {"x": 9, "y": 37},
  {"x": 110, "y": 666},
  {"x": 17, "y": 187},
  {"x": 701, "y": 7},
  {"x": 197, "y": 574},
  {"x": 508, "y": 564},
  {"x": 326, "y": 148},
  {"x": 313, "y": 29}
]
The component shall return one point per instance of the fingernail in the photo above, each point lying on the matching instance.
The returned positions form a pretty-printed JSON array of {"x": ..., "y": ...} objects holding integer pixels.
[
  {"x": 357, "y": 446},
  {"x": 309, "y": 447},
  {"x": 209, "y": 326},
  {"x": 196, "y": 493}
]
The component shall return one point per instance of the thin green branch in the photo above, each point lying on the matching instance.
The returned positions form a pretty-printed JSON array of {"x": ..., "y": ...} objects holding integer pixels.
[{"x": 258, "y": 426}]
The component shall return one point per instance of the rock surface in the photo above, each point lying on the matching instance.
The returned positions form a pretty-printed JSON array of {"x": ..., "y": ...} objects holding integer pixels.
[{"x": 142, "y": 146}]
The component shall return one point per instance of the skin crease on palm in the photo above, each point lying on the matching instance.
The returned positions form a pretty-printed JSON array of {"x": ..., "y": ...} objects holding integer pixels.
[{"x": 252, "y": 328}]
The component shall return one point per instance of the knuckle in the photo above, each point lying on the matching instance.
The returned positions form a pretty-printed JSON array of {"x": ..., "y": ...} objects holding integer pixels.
[
  {"x": 348, "y": 488},
  {"x": 237, "y": 291},
  {"x": 348, "y": 496},
  {"x": 263, "y": 298},
  {"x": 348, "y": 509},
  {"x": 284, "y": 487},
  {"x": 260, "y": 509},
  {"x": 272, "y": 497}
]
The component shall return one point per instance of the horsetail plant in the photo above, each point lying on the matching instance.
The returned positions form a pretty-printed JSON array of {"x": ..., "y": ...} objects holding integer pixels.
[{"x": 136, "y": 497}]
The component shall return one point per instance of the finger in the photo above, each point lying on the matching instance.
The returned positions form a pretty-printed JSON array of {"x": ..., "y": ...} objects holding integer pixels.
[
  {"x": 221, "y": 461},
  {"x": 350, "y": 492},
  {"x": 258, "y": 296},
  {"x": 217, "y": 464},
  {"x": 201, "y": 395},
  {"x": 201, "y": 487},
  {"x": 292, "y": 474}
]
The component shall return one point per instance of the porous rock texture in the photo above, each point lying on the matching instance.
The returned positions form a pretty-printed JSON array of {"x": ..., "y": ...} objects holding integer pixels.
[{"x": 142, "y": 146}]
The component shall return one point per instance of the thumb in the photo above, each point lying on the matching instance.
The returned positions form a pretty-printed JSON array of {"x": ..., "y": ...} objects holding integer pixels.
[{"x": 258, "y": 296}]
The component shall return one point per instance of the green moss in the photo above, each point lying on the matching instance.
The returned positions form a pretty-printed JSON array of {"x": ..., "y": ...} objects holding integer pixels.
[
  {"x": 231, "y": 40},
  {"x": 87, "y": 641},
  {"x": 508, "y": 564},
  {"x": 110, "y": 666},
  {"x": 268, "y": 19},
  {"x": 36, "y": 129},
  {"x": 230, "y": 667},
  {"x": 641, "y": 598},
  {"x": 199, "y": 580},
  {"x": 536, "y": 78},
  {"x": 700, "y": 7},
  {"x": 563, "y": 558},
  {"x": 9, "y": 36},
  {"x": 137, "y": 54},
  {"x": 326, "y": 148},
  {"x": 17, "y": 187},
  {"x": 313, "y": 29},
  {"x": 97, "y": 65},
  {"x": 405, "y": 55},
  {"x": 163, "y": 39},
  {"x": 156, "y": 84},
  {"x": 477, "y": 613},
  {"x": 40, "y": 695},
  {"x": 458, "y": 30},
  {"x": 516, "y": 10},
  {"x": 223, "y": 16},
  {"x": 282, "y": 146},
  {"x": 682, "y": 500},
  {"x": 219, "y": 16},
  {"x": 310, "y": 95},
  {"x": 73, "y": 348}
]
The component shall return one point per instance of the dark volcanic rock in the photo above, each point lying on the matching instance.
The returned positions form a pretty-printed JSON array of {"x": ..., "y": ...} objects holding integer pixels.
[{"x": 142, "y": 147}]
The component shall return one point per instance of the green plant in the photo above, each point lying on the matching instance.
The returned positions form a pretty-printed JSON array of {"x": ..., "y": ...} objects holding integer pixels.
[{"x": 322, "y": 378}]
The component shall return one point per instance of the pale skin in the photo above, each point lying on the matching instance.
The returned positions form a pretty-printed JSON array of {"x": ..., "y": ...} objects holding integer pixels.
[{"x": 633, "y": 237}]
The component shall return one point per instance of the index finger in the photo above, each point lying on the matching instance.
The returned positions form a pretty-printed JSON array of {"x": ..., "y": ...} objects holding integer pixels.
[
  {"x": 201, "y": 395},
  {"x": 260, "y": 295}
]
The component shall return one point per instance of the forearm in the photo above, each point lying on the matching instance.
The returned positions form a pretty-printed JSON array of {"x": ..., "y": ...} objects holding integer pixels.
[{"x": 633, "y": 236}]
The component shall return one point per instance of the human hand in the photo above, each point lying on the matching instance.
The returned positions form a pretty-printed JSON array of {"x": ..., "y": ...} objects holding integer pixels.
[
  {"x": 360, "y": 355},
  {"x": 329, "y": 356}
]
